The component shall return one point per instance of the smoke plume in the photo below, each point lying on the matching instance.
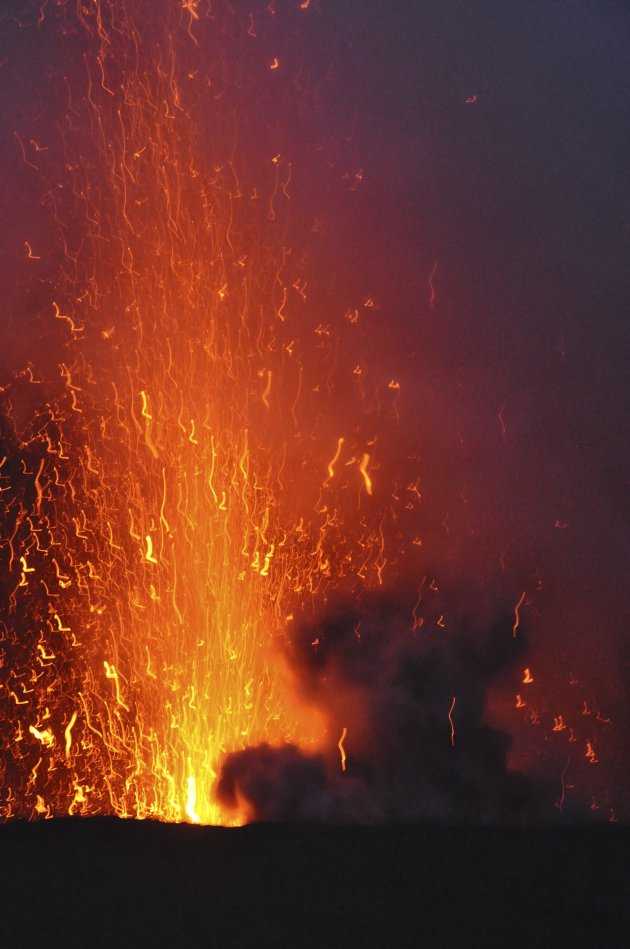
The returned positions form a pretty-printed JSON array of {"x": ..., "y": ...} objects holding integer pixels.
[{"x": 408, "y": 697}]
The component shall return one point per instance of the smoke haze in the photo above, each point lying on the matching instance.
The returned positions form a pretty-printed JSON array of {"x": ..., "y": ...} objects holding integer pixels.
[
  {"x": 461, "y": 168},
  {"x": 409, "y": 705}
]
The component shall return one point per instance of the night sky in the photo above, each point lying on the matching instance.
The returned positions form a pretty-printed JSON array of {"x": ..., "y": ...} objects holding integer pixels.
[
  {"x": 481, "y": 149},
  {"x": 522, "y": 198},
  {"x": 492, "y": 145},
  {"x": 459, "y": 210}
]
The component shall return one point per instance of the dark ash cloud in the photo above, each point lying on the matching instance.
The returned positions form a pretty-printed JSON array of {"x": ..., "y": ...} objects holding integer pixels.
[{"x": 391, "y": 687}]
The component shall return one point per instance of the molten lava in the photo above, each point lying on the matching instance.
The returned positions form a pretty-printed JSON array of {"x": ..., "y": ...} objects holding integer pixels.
[
  {"x": 164, "y": 511},
  {"x": 217, "y": 561}
]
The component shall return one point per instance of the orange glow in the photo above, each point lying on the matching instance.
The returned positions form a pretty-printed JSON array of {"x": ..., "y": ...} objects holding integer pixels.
[
  {"x": 151, "y": 536},
  {"x": 213, "y": 428}
]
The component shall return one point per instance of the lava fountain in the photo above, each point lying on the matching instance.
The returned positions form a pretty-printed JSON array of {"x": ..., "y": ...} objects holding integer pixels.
[
  {"x": 166, "y": 512},
  {"x": 218, "y": 592}
]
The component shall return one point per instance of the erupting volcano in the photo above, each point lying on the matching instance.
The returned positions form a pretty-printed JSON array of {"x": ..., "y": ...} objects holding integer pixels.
[
  {"x": 254, "y": 562},
  {"x": 174, "y": 492}
]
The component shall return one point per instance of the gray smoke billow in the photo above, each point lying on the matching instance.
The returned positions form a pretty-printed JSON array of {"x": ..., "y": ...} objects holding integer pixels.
[{"x": 392, "y": 688}]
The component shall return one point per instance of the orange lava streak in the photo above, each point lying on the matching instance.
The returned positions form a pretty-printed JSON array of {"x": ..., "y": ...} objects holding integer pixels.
[
  {"x": 450, "y": 718},
  {"x": 365, "y": 460},
  {"x": 516, "y": 613},
  {"x": 341, "y": 748},
  {"x": 333, "y": 461}
]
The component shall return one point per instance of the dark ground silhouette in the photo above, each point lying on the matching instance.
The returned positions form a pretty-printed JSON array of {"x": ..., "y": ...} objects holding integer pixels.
[{"x": 127, "y": 885}]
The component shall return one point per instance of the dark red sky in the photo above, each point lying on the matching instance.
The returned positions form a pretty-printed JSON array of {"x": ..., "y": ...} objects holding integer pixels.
[{"x": 520, "y": 195}]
